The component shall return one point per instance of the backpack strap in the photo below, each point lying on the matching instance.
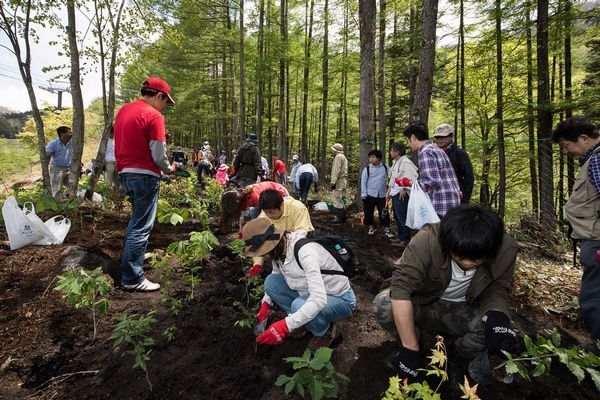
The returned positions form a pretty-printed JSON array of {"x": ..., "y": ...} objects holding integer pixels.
[{"x": 307, "y": 240}]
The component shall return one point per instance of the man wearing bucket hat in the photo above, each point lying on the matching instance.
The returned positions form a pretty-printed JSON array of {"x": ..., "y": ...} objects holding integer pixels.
[
  {"x": 339, "y": 182},
  {"x": 454, "y": 278},
  {"x": 247, "y": 163},
  {"x": 444, "y": 139},
  {"x": 309, "y": 300},
  {"x": 141, "y": 154}
]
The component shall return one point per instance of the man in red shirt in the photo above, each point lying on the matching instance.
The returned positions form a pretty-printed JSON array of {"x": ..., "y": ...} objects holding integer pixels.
[
  {"x": 279, "y": 170},
  {"x": 141, "y": 154}
]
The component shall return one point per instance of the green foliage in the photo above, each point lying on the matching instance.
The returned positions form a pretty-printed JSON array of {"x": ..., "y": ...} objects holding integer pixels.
[
  {"x": 248, "y": 315},
  {"x": 539, "y": 354},
  {"x": 213, "y": 194},
  {"x": 132, "y": 331},
  {"x": 179, "y": 203},
  {"x": 83, "y": 290},
  {"x": 191, "y": 252},
  {"x": 165, "y": 213},
  {"x": 16, "y": 159},
  {"x": 169, "y": 333},
  {"x": 315, "y": 373},
  {"x": 237, "y": 246}
]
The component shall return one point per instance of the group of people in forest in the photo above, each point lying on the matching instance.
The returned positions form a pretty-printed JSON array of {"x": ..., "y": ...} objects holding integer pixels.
[{"x": 453, "y": 277}]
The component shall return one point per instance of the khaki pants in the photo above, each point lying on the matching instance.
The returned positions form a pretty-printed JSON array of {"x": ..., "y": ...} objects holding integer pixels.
[
  {"x": 59, "y": 177},
  {"x": 110, "y": 173},
  {"x": 339, "y": 193}
]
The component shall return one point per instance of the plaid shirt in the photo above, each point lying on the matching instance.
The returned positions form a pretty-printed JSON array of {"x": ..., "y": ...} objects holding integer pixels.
[
  {"x": 438, "y": 179},
  {"x": 593, "y": 167}
]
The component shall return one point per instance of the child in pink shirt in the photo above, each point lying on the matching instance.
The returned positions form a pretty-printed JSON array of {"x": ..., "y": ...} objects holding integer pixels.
[{"x": 222, "y": 176}]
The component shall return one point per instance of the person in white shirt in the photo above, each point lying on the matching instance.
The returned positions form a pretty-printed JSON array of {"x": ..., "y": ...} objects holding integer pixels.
[
  {"x": 265, "y": 166},
  {"x": 292, "y": 179},
  {"x": 403, "y": 173},
  {"x": 110, "y": 162},
  {"x": 311, "y": 299},
  {"x": 305, "y": 175}
]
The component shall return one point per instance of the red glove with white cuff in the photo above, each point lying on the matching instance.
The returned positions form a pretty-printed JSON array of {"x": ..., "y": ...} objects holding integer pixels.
[
  {"x": 275, "y": 333},
  {"x": 264, "y": 312},
  {"x": 253, "y": 271}
]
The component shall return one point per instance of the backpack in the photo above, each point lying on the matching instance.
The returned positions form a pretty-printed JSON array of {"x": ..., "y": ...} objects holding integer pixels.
[{"x": 337, "y": 247}]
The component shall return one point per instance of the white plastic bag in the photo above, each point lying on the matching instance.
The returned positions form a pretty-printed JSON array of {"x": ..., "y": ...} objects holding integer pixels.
[
  {"x": 22, "y": 229},
  {"x": 321, "y": 206},
  {"x": 59, "y": 227},
  {"x": 96, "y": 197},
  {"x": 420, "y": 209}
]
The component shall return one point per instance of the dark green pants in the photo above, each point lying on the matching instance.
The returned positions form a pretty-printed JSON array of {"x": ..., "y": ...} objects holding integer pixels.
[{"x": 457, "y": 320}]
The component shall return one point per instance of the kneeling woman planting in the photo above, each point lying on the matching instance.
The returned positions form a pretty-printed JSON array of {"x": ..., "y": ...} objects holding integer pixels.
[{"x": 312, "y": 300}]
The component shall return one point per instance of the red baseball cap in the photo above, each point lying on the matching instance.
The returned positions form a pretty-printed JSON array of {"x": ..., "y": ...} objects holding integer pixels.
[{"x": 159, "y": 85}]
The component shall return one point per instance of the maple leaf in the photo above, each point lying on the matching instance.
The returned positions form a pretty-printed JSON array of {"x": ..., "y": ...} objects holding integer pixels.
[{"x": 470, "y": 392}]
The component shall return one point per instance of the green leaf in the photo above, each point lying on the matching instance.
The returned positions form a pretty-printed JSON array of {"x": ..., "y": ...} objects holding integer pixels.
[
  {"x": 539, "y": 370},
  {"x": 316, "y": 364},
  {"x": 176, "y": 219},
  {"x": 282, "y": 380},
  {"x": 511, "y": 367},
  {"x": 300, "y": 389},
  {"x": 528, "y": 343},
  {"x": 577, "y": 371},
  {"x": 556, "y": 338},
  {"x": 324, "y": 354},
  {"x": 315, "y": 389},
  {"x": 595, "y": 375},
  {"x": 289, "y": 386}
]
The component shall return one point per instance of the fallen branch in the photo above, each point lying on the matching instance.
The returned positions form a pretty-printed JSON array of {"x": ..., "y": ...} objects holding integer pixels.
[{"x": 64, "y": 377}]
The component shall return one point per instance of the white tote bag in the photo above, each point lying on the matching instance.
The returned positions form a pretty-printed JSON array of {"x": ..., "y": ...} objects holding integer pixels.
[
  {"x": 59, "y": 226},
  {"x": 29, "y": 211},
  {"x": 420, "y": 209},
  {"x": 22, "y": 230}
]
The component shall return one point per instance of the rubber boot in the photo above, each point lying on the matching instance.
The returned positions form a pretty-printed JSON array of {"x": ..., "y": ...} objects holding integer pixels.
[{"x": 339, "y": 219}]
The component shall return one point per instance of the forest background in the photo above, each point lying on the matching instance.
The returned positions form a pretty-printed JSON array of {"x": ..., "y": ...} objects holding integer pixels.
[{"x": 305, "y": 74}]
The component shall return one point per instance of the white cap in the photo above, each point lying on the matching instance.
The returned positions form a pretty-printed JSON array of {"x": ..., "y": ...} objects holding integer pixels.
[
  {"x": 206, "y": 142},
  {"x": 295, "y": 157}
]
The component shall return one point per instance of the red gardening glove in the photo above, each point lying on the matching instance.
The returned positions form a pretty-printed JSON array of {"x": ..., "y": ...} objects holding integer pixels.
[
  {"x": 253, "y": 271},
  {"x": 275, "y": 333},
  {"x": 264, "y": 312},
  {"x": 403, "y": 182}
]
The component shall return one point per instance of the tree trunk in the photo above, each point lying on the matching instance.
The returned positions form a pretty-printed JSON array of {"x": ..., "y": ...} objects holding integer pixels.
[
  {"x": 366, "y": 14},
  {"x": 242, "y": 113},
  {"x": 530, "y": 118},
  {"x": 568, "y": 88},
  {"x": 420, "y": 107},
  {"x": 548, "y": 218},
  {"x": 463, "y": 127},
  {"x": 499, "y": 113},
  {"x": 381, "y": 77},
  {"x": 324, "y": 115},
  {"x": 78, "y": 109},
  {"x": 260, "y": 100},
  {"x": 393, "y": 91},
  {"x": 307, "y": 45},
  {"x": 108, "y": 95},
  {"x": 281, "y": 119}
]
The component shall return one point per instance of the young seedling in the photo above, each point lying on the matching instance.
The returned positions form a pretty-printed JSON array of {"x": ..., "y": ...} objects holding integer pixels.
[
  {"x": 315, "y": 373},
  {"x": 83, "y": 290},
  {"x": 132, "y": 331},
  {"x": 169, "y": 333},
  {"x": 539, "y": 355}
]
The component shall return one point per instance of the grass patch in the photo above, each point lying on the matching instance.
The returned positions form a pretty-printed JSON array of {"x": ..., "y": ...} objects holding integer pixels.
[{"x": 17, "y": 160}]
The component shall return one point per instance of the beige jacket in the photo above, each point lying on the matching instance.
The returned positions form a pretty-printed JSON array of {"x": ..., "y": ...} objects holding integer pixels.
[
  {"x": 339, "y": 169},
  {"x": 583, "y": 206}
]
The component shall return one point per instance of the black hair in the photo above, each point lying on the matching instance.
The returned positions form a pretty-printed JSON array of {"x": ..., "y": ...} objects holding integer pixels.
[
  {"x": 230, "y": 210},
  {"x": 270, "y": 199},
  {"x": 399, "y": 147},
  {"x": 376, "y": 153},
  {"x": 147, "y": 92},
  {"x": 471, "y": 232},
  {"x": 418, "y": 129},
  {"x": 571, "y": 128},
  {"x": 62, "y": 129}
]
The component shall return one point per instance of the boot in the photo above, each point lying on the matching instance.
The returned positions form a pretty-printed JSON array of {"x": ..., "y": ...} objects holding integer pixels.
[{"x": 343, "y": 215}]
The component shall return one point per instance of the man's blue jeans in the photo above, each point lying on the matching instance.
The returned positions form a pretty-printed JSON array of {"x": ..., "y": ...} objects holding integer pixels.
[
  {"x": 304, "y": 181},
  {"x": 400, "y": 210},
  {"x": 337, "y": 308},
  {"x": 142, "y": 191}
]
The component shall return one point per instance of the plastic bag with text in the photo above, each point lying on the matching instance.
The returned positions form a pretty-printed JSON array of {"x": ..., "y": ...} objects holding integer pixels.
[{"x": 420, "y": 209}]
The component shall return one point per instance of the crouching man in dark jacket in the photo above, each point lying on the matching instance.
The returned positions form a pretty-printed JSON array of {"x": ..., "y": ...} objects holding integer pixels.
[{"x": 454, "y": 278}]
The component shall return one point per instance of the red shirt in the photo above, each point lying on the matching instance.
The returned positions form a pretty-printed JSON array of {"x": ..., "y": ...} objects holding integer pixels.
[
  {"x": 279, "y": 167},
  {"x": 251, "y": 199},
  {"x": 136, "y": 125}
]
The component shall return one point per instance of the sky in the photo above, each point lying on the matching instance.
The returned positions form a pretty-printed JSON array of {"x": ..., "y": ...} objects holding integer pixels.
[{"x": 14, "y": 94}]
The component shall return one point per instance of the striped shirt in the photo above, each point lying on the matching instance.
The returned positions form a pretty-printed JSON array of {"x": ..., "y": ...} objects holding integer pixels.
[
  {"x": 438, "y": 179},
  {"x": 593, "y": 167}
]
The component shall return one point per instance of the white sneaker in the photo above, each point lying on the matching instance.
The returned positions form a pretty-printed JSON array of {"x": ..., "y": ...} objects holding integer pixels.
[
  {"x": 371, "y": 231},
  {"x": 389, "y": 235},
  {"x": 143, "y": 286}
]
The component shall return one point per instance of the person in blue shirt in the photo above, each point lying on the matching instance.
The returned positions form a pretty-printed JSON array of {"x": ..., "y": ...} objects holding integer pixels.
[
  {"x": 373, "y": 191},
  {"x": 60, "y": 153}
]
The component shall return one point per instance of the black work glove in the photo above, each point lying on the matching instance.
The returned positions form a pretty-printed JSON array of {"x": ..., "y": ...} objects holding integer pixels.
[
  {"x": 406, "y": 364},
  {"x": 498, "y": 333},
  {"x": 333, "y": 186}
]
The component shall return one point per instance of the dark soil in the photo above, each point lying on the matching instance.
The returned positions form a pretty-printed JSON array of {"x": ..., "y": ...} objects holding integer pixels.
[{"x": 43, "y": 338}]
